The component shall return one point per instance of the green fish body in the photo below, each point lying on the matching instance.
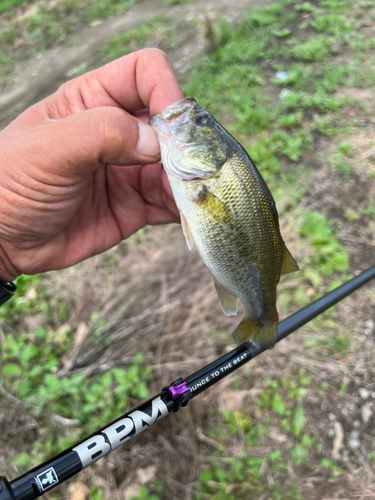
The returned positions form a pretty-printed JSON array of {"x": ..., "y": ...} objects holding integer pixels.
[{"x": 228, "y": 213}]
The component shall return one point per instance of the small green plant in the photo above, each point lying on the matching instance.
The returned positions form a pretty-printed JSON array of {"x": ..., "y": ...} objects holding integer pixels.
[
  {"x": 177, "y": 2},
  {"x": 369, "y": 210},
  {"x": 265, "y": 16},
  {"x": 26, "y": 301},
  {"x": 328, "y": 252},
  {"x": 314, "y": 50},
  {"x": 5, "y": 65},
  {"x": 327, "y": 464},
  {"x": 29, "y": 364},
  {"x": 297, "y": 77},
  {"x": 10, "y": 4},
  {"x": 323, "y": 124},
  {"x": 334, "y": 24},
  {"x": 299, "y": 454},
  {"x": 47, "y": 27},
  {"x": 304, "y": 7},
  {"x": 100, "y": 9},
  {"x": 339, "y": 162},
  {"x": 145, "y": 494},
  {"x": 334, "y": 77},
  {"x": 325, "y": 102},
  {"x": 290, "y": 120},
  {"x": 292, "y": 145},
  {"x": 276, "y": 462},
  {"x": 134, "y": 39}
]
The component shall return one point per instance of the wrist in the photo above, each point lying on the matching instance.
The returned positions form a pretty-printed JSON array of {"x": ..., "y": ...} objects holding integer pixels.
[{"x": 8, "y": 272}]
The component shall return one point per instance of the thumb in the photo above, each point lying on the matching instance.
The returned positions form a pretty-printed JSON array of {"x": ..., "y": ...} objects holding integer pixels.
[{"x": 80, "y": 143}]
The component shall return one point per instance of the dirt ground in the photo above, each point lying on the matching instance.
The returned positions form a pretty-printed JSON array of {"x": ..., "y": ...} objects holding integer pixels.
[{"x": 173, "y": 302}]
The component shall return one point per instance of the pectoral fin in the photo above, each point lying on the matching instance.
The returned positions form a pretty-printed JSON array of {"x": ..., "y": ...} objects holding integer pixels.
[
  {"x": 187, "y": 233},
  {"x": 289, "y": 265},
  {"x": 228, "y": 301},
  {"x": 214, "y": 207}
]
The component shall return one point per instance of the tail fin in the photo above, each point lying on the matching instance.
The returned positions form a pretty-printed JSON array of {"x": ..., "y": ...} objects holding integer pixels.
[{"x": 262, "y": 333}]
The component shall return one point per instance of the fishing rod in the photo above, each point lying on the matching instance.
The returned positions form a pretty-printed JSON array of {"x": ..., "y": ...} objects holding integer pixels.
[{"x": 58, "y": 469}]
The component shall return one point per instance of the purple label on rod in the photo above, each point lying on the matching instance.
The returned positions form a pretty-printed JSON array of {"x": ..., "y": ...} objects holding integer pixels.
[{"x": 178, "y": 390}]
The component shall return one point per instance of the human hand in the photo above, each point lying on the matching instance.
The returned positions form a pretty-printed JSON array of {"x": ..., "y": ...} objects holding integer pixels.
[{"x": 78, "y": 170}]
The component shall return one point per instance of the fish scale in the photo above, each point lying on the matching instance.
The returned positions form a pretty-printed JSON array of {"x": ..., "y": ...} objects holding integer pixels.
[{"x": 228, "y": 213}]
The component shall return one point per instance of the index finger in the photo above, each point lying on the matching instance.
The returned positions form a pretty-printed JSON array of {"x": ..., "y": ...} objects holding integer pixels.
[{"x": 143, "y": 79}]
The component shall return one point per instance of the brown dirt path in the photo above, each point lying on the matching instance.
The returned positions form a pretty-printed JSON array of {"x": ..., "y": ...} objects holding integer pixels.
[{"x": 39, "y": 76}]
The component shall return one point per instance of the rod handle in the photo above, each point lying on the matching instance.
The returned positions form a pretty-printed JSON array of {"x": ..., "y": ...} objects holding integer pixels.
[{"x": 6, "y": 491}]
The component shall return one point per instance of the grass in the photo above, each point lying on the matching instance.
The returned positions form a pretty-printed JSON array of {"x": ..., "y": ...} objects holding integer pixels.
[
  {"x": 7, "y": 5},
  {"x": 177, "y": 2},
  {"x": 314, "y": 50},
  {"x": 51, "y": 25},
  {"x": 136, "y": 38}
]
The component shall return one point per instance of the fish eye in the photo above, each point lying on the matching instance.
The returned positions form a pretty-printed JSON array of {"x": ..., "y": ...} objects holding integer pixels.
[{"x": 201, "y": 119}]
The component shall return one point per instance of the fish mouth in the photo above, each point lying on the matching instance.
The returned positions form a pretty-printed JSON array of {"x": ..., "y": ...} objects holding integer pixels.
[
  {"x": 178, "y": 113},
  {"x": 176, "y": 109}
]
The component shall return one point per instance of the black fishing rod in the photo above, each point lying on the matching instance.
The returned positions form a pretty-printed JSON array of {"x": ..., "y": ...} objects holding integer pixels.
[{"x": 58, "y": 469}]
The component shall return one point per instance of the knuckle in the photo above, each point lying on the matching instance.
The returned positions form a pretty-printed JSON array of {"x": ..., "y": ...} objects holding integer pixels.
[
  {"x": 113, "y": 123},
  {"x": 156, "y": 54}
]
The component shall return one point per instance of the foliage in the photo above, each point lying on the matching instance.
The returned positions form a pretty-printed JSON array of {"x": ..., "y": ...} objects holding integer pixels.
[
  {"x": 136, "y": 38},
  {"x": 29, "y": 364},
  {"x": 314, "y": 50},
  {"x": 100, "y": 9},
  {"x": 47, "y": 26},
  {"x": 328, "y": 253},
  {"x": 5, "y": 65},
  {"x": 177, "y": 2},
  {"x": 53, "y": 24},
  {"x": 335, "y": 24},
  {"x": 6, "y": 5}
]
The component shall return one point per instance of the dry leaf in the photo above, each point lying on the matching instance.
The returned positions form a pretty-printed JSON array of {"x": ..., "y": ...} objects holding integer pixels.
[{"x": 78, "y": 491}]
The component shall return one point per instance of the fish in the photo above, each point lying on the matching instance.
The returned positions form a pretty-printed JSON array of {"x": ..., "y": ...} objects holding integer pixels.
[{"x": 227, "y": 213}]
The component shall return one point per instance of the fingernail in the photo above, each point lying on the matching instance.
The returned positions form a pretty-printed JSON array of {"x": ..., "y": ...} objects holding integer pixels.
[{"x": 148, "y": 144}]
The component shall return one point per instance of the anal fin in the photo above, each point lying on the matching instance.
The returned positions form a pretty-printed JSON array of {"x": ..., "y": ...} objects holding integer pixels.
[
  {"x": 228, "y": 301},
  {"x": 289, "y": 265},
  {"x": 187, "y": 233}
]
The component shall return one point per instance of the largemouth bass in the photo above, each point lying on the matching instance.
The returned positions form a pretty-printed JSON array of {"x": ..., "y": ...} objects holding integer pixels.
[{"x": 228, "y": 213}]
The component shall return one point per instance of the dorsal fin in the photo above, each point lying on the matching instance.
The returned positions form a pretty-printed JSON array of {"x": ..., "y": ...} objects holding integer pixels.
[{"x": 289, "y": 265}]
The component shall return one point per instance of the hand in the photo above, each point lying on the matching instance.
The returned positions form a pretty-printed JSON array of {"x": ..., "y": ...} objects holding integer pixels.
[{"x": 78, "y": 170}]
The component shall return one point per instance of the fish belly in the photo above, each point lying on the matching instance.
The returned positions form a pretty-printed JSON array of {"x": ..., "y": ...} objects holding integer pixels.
[{"x": 233, "y": 252}]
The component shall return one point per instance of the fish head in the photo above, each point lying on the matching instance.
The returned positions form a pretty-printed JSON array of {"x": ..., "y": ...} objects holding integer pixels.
[{"x": 193, "y": 144}]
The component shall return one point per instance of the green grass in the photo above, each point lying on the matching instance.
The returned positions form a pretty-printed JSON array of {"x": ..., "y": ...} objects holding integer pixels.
[
  {"x": 314, "y": 50},
  {"x": 5, "y": 65},
  {"x": 47, "y": 27},
  {"x": 51, "y": 25},
  {"x": 240, "y": 476},
  {"x": 335, "y": 24},
  {"x": 29, "y": 364},
  {"x": 100, "y": 9},
  {"x": 136, "y": 38},
  {"x": 177, "y": 2},
  {"x": 7, "y": 5}
]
